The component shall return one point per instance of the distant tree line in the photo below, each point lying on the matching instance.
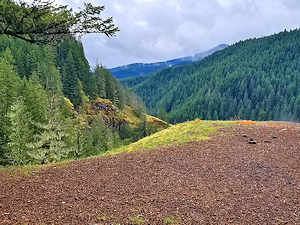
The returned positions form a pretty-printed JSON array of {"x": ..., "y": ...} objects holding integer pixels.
[{"x": 257, "y": 79}]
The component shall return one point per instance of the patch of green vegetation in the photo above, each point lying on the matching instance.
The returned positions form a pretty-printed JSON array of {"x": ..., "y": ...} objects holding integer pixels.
[
  {"x": 169, "y": 220},
  {"x": 19, "y": 171},
  {"x": 179, "y": 134},
  {"x": 137, "y": 220},
  {"x": 30, "y": 170},
  {"x": 108, "y": 220},
  {"x": 103, "y": 218}
]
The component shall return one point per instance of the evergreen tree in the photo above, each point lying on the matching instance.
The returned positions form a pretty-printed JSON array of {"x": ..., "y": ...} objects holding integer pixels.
[
  {"x": 70, "y": 80},
  {"x": 297, "y": 108},
  {"x": 42, "y": 21},
  {"x": 20, "y": 134},
  {"x": 51, "y": 144},
  {"x": 162, "y": 114},
  {"x": 255, "y": 79},
  {"x": 9, "y": 87}
]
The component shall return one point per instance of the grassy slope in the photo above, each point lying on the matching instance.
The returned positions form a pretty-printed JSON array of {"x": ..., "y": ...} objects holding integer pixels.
[
  {"x": 133, "y": 120},
  {"x": 196, "y": 130}
]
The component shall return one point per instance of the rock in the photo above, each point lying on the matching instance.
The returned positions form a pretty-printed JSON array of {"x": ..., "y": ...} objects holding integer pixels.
[
  {"x": 274, "y": 137},
  {"x": 245, "y": 135},
  {"x": 268, "y": 142},
  {"x": 252, "y": 142}
]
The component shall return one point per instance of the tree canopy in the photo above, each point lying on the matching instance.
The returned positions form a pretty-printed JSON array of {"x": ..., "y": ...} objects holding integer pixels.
[
  {"x": 54, "y": 107},
  {"x": 257, "y": 79},
  {"x": 41, "y": 21}
]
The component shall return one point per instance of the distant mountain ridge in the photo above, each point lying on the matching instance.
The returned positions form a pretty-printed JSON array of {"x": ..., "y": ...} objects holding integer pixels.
[
  {"x": 138, "y": 69},
  {"x": 256, "y": 79}
]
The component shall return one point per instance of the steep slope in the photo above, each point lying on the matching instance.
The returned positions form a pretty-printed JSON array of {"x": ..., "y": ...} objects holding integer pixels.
[
  {"x": 53, "y": 107},
  {"x": 133, "y": 81},
  {"x": 256, "y": 79},
  {"x": 138, "y": 69}
]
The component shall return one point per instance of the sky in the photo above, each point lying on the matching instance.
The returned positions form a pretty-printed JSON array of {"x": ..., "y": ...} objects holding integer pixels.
[{"x": 159, "y": 30}]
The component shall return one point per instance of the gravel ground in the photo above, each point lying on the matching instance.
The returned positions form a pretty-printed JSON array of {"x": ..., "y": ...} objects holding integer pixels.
[{"x": 243, "y": 175}]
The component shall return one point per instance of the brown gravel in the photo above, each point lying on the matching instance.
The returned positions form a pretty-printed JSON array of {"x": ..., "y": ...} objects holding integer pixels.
[{"x": 224, "y": 180}]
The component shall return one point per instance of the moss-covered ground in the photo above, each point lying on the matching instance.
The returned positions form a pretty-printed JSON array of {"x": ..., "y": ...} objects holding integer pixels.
[{"x": 196, "y": 130}]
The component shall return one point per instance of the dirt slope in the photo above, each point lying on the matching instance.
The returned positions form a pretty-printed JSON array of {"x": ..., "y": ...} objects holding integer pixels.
[{"x": 224, "y": 180}]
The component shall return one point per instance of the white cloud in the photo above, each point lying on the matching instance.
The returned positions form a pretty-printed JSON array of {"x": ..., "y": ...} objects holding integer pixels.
[{"x": 154, "y": 30}]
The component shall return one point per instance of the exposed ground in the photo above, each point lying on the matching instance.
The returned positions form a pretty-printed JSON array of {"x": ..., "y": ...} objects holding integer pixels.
[{"x": 224, "y": 180}]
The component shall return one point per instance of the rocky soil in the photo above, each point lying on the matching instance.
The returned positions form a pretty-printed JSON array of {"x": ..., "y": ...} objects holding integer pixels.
[{"x": 243, "y": 175}]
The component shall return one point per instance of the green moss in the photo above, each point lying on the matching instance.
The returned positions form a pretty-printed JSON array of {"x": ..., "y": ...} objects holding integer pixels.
[
  {"x": 30, "y": 170},
  {"x": 169, "y": 220},
  {"x": 179, "y": 134},
  {"x": 137, "y": 220}
]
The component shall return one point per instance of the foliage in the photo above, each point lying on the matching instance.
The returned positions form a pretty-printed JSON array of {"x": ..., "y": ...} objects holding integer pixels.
[
  {"x": 100, "y": 83},
  {"x": 137, "y": 220},
  {"x": 46, "y": 92},
  {"x": 169, "y": 220},
  {"x": 178, "y": 134},
  {"x": 131, "y": 82},
  {"x": 9, "y": 87},
  {"x": 257, "y": 79},
  {"x": 51, "y": 143},
  {"x": 41, "y": 21},
  {"x": 50, "y": 107},
  {"x": 20, "y": 134},
  {"x": 162, "y": 114}
]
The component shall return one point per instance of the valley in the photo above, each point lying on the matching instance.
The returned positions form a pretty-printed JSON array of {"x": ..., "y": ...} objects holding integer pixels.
[
  {"x": 142, "y": 69},
  {"x": 255, "y": 79},
  {"x": 212, "y": 138}
]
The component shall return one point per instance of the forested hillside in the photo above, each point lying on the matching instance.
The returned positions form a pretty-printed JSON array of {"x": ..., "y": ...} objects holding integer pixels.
[
  {"x": 256, "y": 79},
  {"x": 53, "y": 107},
  {"x": 142, "y": 69}
]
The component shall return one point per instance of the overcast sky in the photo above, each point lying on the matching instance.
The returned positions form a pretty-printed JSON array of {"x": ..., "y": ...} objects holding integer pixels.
[{"x": 156, "y": 30}]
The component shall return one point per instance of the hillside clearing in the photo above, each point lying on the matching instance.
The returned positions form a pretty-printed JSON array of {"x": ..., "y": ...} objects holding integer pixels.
[
  {"x": 179, "y": 134},
  {"x": 222, "y": 180}
]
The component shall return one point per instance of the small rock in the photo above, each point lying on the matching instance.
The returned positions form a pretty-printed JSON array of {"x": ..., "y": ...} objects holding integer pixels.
[
  {"x": 63, "y": 202},
  {"x": 252, "y": 142},
  {"x": 6, "y": 213},
  {"x": 245, "y": 135},
  {"x": 274, "y": 137},
  {"x": 268, "y": 142}
]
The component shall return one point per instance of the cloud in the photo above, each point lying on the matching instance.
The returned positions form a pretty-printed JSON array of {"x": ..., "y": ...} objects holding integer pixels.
[{"x": 154, "y": 30}]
